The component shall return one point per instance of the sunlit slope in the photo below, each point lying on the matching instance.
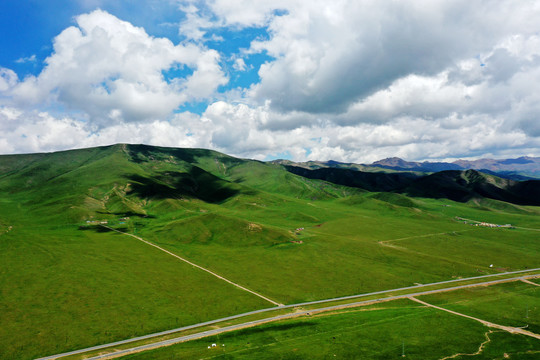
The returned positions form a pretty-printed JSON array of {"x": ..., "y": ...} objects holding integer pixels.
[{"x": 129, "y": 179}]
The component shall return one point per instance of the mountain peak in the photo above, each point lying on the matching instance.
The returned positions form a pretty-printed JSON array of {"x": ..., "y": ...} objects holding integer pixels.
[{"x": 393, "y": 161}]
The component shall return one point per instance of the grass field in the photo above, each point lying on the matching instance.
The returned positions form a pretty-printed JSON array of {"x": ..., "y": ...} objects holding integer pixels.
[
  {"x": 76, "y": 289},
  {"x": 514, "y": 304},
  {"x": 382, "y": 331},
  {"x": 340, "y": 253},
  {"x": 66, "y": 283}
]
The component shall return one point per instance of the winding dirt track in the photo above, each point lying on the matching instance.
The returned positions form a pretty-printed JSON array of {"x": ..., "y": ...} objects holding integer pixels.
[{"x": 478, "y": 352}]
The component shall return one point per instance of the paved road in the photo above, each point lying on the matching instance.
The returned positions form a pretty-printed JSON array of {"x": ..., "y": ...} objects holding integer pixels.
[
  {"x": 203, "y": 334},
  {"x": 195, "y": 265}
]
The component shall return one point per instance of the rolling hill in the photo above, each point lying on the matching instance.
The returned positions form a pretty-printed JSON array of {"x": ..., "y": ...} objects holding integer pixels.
[{"x": 91, "y": 240}]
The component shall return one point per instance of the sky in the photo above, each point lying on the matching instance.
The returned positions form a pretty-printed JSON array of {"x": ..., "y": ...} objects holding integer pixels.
[{"x": 345, "y": 80}]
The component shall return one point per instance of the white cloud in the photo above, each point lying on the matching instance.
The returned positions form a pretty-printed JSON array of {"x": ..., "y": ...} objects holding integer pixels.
[
  {"x": 31, "y": 131},
  {"x": 26, "y": 59},
  {"x": 246, "y": 13},
  {"x": 108, "y": 66},
  {"x": 8, "y": 79},
  {"x": 331, "y": 55},
  {"x": 195, "y": 25},
  {"x": 242, "y": 131},
  {"x": 349, "y": 80},
  {"x": 239, "y": 65},
  {"x": 25, "y": 132}
]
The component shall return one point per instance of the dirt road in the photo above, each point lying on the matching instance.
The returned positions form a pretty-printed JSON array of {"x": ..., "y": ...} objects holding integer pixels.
[
  {"x": 510, "y": 329},
  {"x": 197, "y": 266}
]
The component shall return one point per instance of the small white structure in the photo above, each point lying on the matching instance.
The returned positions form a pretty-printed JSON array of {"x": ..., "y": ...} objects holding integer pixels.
[{"x": 214, "y": 345}]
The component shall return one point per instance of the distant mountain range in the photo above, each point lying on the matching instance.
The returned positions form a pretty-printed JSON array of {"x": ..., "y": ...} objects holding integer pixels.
[
  {"x": 522, "y": 168},
  {"x": 525, "y": 166},
  {"x": 136, "y": 179},
  {"x": 509, "y": 180}
]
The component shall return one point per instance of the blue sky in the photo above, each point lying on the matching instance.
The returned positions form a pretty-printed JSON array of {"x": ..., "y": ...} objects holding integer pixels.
[
  {"x": 21, "y": 19},
  {"x": 355, "y": 80}
]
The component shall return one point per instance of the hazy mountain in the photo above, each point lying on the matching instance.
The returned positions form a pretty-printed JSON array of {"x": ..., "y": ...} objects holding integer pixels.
[
  {"x": 523, "y": 168},
  {"x": 517, "y": 169},
  {"x": 396, "y": 163}
]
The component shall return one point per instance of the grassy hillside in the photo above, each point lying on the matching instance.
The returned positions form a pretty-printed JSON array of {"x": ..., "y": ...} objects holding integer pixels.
[{"x": 66, "y": 282}]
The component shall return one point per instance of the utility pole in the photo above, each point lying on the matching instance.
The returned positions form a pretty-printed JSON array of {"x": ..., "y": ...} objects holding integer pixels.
[{"x": 403, "y": 349}]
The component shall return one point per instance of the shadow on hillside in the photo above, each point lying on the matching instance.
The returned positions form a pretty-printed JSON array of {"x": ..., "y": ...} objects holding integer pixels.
[
  {"x": 456, "y": 185},
  {"x": 101, "y": 229},
  {"x": 143, "y": 153},
  {"x": 126, "y": 214},
  {"x": 257, "y": 330},
  {"x": 353, "y": 178},
  {"x": 196, "y": 183}
]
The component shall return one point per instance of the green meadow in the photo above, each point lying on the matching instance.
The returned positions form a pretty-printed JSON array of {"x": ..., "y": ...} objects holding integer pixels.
[
  {"x": 68, "y": 283},
  {"x": 63, "y": 290},
  {"x": 511, "y": 304},
  {"x": 383, "y": 331}
]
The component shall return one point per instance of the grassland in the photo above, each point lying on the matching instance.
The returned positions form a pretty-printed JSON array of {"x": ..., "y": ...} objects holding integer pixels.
[
  {"x": 382, "y": 331},
  {"x": 512, "y": 304},
  {"x": 65, "y": 283},
  {"x": 89, "y": 288},
  {"x": 341, "y": 253}
]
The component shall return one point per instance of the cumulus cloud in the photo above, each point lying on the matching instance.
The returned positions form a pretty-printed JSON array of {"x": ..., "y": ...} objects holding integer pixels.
[
  {"x": 239, "y": 65},
  {"x": 8, "y": 79},
  {"x": 329, "y": 56},
  {"x": 114, "y": 71},
  {"x": 33, "y": 131},
  {"x": 349, "y": 80},
  {"x": 241, "y": 130},
  {"x": 26, "y": 59}
]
